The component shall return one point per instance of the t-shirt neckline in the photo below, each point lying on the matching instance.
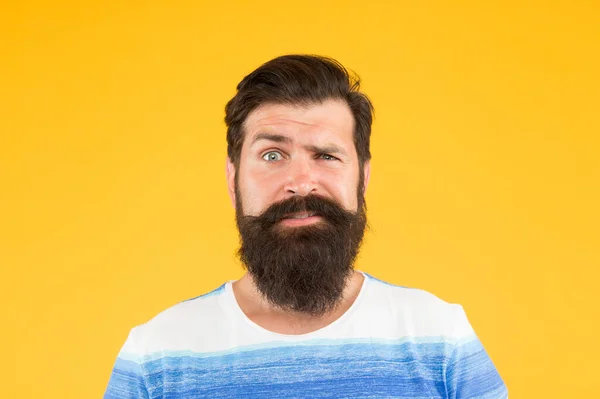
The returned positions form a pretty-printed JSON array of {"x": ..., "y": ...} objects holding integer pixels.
[{"x": 239, "y": 313}]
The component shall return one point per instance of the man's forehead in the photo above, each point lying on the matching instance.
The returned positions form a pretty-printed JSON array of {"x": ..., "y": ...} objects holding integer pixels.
[{"x": 331, "y": 115}]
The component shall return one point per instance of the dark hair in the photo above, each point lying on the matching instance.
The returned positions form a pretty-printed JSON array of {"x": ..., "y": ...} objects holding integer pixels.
[{"x": 303, "y": 80}]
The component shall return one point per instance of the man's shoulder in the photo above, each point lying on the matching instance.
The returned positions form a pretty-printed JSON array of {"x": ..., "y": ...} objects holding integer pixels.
[
  {"x": 199, "y": 315},
  {"x": 200, "y": 306},
  {"x": 406, "y": 296},
  {"x": 413, "y": 310}
]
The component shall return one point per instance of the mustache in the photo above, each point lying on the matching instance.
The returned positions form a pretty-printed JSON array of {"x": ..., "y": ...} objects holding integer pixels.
[{"x": 315, "y": 204}]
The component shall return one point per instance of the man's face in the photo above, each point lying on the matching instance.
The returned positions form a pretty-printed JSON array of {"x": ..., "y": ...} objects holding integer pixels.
[
  {"x": 299, "y": 203},
  {"x": 293, "y": 150}
]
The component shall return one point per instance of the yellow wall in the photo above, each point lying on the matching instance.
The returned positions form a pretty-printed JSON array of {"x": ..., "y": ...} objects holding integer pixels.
[{"x": 484, "y": 190}]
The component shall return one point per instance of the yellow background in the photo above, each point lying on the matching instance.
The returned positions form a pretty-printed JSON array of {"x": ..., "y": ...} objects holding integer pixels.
[{"x": 484, "y": 189}]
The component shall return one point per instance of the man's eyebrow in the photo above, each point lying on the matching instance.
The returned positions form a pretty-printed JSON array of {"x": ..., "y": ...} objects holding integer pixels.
[
  {"x": 326, "y": 149},
  {"x": 278, "y": 138}
]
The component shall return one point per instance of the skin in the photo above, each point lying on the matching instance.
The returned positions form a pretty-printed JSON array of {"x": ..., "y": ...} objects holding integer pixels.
[{"x": 295, "y": 150}]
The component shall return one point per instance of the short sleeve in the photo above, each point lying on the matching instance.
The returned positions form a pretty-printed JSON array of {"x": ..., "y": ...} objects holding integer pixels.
[
  {"x": 127, "y": 380},
  {"x": 470, "y": 373}
]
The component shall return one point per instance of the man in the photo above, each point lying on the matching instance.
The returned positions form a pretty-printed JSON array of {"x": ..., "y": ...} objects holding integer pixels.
[{"x": 302, "y": 323}]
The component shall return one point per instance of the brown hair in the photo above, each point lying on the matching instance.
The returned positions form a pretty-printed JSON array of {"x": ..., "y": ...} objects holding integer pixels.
[{"x": 302, "y": 80}]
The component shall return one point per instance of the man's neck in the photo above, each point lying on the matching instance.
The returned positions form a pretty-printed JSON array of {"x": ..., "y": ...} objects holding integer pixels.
[{"x": 274, "y": 319}]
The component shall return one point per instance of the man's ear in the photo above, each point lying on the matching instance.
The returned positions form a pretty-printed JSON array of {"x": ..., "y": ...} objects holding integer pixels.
[
  {"x": 367, "y": 175},
  {"x": 230, "y": 172}
]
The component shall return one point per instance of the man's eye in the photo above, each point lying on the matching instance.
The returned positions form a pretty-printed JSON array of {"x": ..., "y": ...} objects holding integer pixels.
[
  {"x": 327, "y": 157},
  {"x": 272, "y": 156}
]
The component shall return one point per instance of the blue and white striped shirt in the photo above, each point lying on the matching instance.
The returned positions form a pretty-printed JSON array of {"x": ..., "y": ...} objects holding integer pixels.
[{"x": 393, "y": 342}]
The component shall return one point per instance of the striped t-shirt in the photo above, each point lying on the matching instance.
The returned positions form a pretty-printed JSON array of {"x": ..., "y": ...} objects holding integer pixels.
[{"x": 393, "y": 342}]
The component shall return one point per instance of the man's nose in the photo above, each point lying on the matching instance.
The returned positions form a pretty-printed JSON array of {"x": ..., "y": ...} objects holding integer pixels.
[{"x": 301, "y": 179}]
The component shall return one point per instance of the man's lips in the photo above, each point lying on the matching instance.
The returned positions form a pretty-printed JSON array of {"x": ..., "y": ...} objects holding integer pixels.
[
  {"x": 300, "y": 219},
  {"x": 299, "y": 215}
]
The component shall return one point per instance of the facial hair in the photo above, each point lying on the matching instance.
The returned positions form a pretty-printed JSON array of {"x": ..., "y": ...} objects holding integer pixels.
[{"x": 302, "y": 269}]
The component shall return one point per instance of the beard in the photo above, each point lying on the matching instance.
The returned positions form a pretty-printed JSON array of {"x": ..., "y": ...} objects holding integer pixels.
[{"x": 302, "y": 269}]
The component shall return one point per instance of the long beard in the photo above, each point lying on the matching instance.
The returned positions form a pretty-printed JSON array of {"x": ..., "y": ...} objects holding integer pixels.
[{"x": 304, "y": 268}]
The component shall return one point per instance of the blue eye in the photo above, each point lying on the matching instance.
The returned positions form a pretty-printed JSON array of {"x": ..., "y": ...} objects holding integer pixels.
[{"x": 272, "y": 156}]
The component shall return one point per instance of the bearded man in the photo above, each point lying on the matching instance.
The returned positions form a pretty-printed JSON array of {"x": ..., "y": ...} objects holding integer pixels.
[{"x": 302, "y": 323}]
